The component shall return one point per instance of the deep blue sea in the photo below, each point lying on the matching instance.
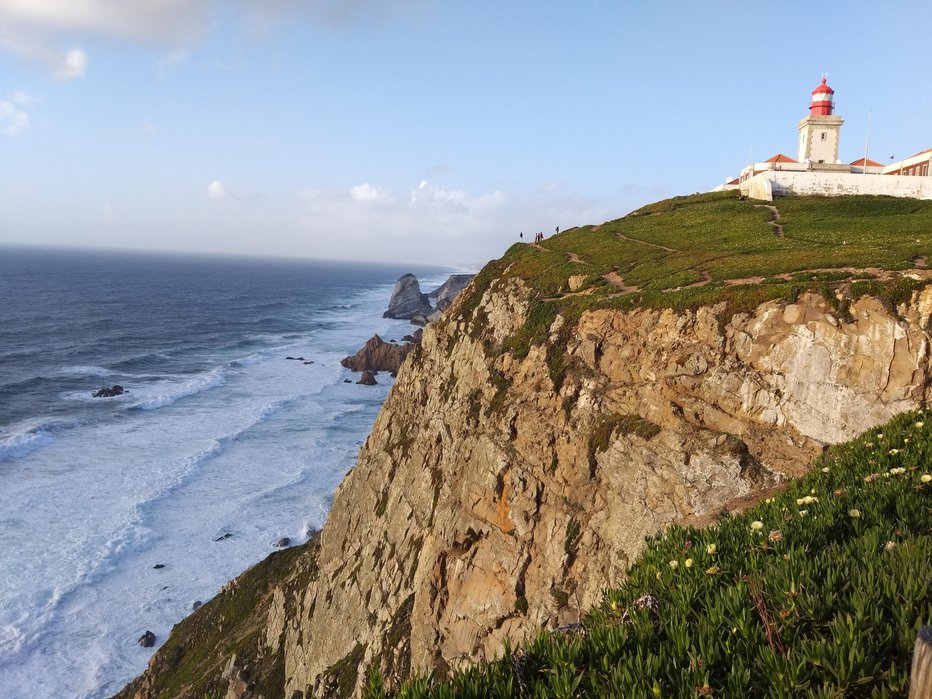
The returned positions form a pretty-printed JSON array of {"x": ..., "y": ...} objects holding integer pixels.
[{"x": 219, "y": 434}]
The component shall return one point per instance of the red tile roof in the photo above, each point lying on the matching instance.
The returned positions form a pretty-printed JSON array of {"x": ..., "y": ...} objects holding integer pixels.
[
  {"x": 870, "y": 163},
  {"x": 780, "y": 158}
]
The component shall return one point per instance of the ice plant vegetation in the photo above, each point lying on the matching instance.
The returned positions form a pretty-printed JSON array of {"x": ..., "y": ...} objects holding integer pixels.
[{"x": 828, "y": 605}]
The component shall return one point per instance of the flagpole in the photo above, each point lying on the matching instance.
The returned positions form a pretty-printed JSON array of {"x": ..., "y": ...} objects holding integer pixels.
[{"x": 867, "y": 144}]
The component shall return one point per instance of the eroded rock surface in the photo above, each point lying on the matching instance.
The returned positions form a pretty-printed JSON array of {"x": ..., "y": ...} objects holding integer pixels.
[{"x": 499, "y": 495}]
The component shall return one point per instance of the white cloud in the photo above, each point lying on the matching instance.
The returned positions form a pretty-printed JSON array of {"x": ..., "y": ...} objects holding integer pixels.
[
  {"x": 160, "y": 20},
  {"x": 14, "y": 119},
  {"x": 426, "y": 192},
  {"x": 216, "y": 190},
  {"x": 370, "y": 193},
  {"x": 72, "y": 65}
]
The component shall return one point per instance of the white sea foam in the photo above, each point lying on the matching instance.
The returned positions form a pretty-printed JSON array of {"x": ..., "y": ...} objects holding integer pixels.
[
  {"x": 170, "y": 391},
  {"x": 22, "y": 443}
]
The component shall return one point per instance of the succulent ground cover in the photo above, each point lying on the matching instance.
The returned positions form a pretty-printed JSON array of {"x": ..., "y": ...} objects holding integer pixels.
[{"x": 818, "y": 591}]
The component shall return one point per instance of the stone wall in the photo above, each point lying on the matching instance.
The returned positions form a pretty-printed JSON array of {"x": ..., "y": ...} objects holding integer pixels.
[{"x": 768, "y": 185}]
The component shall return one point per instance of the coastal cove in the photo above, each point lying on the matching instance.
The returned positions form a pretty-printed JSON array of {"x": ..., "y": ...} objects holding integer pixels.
[{"x": 120, "y": 513}]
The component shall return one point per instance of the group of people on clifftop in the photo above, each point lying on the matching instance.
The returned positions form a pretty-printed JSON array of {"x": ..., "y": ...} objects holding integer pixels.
[{"x": 537, "y": 237}]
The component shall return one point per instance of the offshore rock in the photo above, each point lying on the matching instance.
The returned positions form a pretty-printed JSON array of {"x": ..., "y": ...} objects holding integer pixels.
[
  {"x": 444, "y": 294},
  {"x": 367, "y": 379},
  {"x": 378, "y": 355},
  {"x": 407, "y": 301},
  {"x": 115, "y": 390}
]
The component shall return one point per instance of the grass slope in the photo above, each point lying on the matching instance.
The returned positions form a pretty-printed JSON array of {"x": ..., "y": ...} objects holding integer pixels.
[
  {"x": 709, "y": 248},
  {"x": 819, "y": 592}
]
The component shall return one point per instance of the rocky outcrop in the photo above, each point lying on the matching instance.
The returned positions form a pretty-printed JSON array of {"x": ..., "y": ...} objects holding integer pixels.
[
  {"x": 367, "y": 378},
  {"x": 444, "y": 294},
  {"x": 378, "y": 355},
  {"x": 501, "y": 491},
  {"x": 109, "y": 391},
  {"x": 407, "y": 301}
]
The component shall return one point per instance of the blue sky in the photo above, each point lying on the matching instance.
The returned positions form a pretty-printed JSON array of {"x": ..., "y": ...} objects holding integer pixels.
[{"x": 418, "y": 130}]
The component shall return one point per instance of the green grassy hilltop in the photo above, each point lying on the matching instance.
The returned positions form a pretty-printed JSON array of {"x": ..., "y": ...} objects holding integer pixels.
[
  {"x": 818, "y": 591},
  {"x": 717, "y": 247}
]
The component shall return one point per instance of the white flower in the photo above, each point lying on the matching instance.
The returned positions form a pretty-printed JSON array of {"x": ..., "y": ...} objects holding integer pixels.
[
  {"x": 899, "y": 470},
  {"x": 757, "y": 525},
  {"x": 854, "y": 514},
  {"x": 889, "y": 546},
  {"x": 674, "y": 564},
  {"x": 919, "y": 423},
  {"x": 825, "y": 469}
]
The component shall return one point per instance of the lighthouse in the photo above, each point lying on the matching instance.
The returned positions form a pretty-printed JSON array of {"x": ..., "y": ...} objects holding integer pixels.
[{"x": 819, "y": 132}]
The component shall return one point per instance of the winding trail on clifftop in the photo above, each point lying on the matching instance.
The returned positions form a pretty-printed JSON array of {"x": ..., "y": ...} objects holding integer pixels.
[{"x": 774, "y": 218}]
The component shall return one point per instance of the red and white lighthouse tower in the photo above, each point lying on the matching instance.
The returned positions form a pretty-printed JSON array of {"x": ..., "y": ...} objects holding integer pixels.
[
  {"x": 823, "y": 100},
  {"x": 819, "y": 132}
]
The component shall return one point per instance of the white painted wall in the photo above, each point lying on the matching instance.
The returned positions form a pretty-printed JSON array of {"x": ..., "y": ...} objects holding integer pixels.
[{"x": 834, "y": 184}]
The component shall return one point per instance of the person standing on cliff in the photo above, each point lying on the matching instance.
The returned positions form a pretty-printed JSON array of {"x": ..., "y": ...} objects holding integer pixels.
[{"x": 521, "y": 236}]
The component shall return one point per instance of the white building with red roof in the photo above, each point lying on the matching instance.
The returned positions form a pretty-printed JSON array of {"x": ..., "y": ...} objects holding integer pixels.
[{"x": 817, "y": 169}]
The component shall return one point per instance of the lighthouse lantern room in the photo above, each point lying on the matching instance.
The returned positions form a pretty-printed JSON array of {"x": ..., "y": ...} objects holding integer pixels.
[{"x": 823, "y": 100}]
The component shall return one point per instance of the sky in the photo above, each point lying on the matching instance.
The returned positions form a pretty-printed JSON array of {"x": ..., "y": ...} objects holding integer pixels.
[{"x": 422, "y": 131}]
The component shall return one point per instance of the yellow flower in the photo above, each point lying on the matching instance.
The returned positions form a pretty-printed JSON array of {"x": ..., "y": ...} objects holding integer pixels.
[
  {"x": 925, "y": 478},
  {"x": 854, "y": 513},
  {"x": 711, "y": 549},
  {"x": 713, "y": 570},
  {"x": 808, "y": 500},
  {"x": 757, "y": 525},
  {"x": 674, "y": 564},
  {"x": 919, "y": 423},
  {"x": 897, "y": 471},
  {"x": 803, "y": 513},
  {"x": 893, "y": 452},
  {"x": 688, "y": 563},
  {"x": 825, "y": 469}
]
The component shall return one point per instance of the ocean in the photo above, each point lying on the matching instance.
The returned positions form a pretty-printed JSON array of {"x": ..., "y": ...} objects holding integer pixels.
[{"x": 117, "y": 514}]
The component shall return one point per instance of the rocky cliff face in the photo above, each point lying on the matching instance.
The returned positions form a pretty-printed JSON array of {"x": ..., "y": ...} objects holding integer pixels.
[{"x": 498, "y": 494}]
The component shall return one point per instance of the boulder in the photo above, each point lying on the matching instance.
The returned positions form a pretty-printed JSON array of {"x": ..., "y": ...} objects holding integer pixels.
[
  {"x": 377, "y": 355},
  {"x": 407, "y": 300},
  {"x": 284, "y": 542},
  {"x": 110, "y": 392},
  {"x": 147, "y": 640},
  {"x": 444, "y": 294},
  {"x": 367, "y": 379}
]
